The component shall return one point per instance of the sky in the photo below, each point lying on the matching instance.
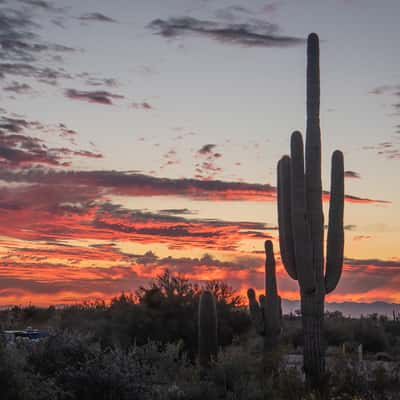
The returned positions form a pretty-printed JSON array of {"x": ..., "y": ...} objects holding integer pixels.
[{"x": 142, "y": 136}]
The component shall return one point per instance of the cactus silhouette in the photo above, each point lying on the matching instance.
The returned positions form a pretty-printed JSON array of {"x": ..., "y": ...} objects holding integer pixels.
[
  {"x": 266, "y": 315},
  {"x": 301, "y": 222},
  {"x": 208, "y": 339}
]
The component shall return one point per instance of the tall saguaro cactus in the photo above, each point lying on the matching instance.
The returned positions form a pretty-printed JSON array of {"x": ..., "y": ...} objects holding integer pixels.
[
  {"x": 208, "y": 339},
  {"x": 301, "y": 222},
  {"x": 266, "y": 315}
]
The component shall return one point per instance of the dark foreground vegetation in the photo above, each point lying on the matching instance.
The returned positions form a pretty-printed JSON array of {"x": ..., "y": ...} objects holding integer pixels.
[{"x": 145, "y": 347}]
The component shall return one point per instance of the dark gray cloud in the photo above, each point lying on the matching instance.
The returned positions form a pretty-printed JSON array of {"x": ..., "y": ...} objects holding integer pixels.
[
  {"x": 352, "y": 174},
  {"x": 19, "y": 40},
  {"x": 207, "y": 169},
  {"x": 24, "y": 51},
  {"x": 206, "y": 149},
  {"x": 97, "y": 17},
  {"x": 189, "y": 265},
  {"x": 253, "y": 34},
  {"x": 357, "y": 199},
  {"x": 95, "y": 96},
  {"x": 361, "y": 237},
  {"x": 385, "y": 89},
  {"x": 136, "y": 184},
  {"x": 373, "y": 262},
  {"x": 19, "y": 148},
  {"x": 96, "y": 81},
  {"x": 110, "y": 82},
  {"x": 178, "y": 211},
  {"x": 388, "y": 149},
  {"x": 48, "y": 75},
  {"x": 144, "y": 105},
  {"x": 38, "y": 3},
  {"x": 18, "y": 88}
]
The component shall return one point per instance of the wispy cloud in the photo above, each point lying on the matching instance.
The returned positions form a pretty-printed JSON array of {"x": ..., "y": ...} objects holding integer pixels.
[
  {"x": 48, "y": 75},
  {"x": 96, "y": 96},
  {"x": 255, "y": 33},
  {"x": 21, "y": 47},
  {"x": 352, "y": 174},
  {"x": 207, "y": 169},
  {"x": 144, "y": 105},
  {"x": 38, "y": 3},
  {"x": 97, "y": 17},
  {"x": 18, "y": 148},
  {"x": 373, "y": 262},
  {"x": 18, "y": 88},
  {"x": 206, "y": 149},
  {"x": 388, "y": 149}
]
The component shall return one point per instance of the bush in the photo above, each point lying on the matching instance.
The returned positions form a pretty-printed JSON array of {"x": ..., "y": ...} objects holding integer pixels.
[{"x": 371, "y": 335}]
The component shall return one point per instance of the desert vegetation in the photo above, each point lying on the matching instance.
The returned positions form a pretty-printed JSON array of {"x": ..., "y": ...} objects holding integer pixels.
[{"x": 145, "y": 346}]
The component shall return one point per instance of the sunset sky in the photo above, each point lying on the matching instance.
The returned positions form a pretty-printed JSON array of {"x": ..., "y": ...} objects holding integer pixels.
[{"x": 142, "y": 135}]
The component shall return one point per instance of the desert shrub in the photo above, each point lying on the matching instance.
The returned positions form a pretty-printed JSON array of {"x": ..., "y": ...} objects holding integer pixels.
[
  {"x": 108, "y": 375},
  {"x": 371, "y": 335},
  {"x": 289, "y": 385},
  {"x": 61, "y": 351},
  {"x": 237, "y": 373},
  {"x": 13, "y": 382},
  {"x": 338, "y": 329},
  {"x": 20, "y": 381},
  {"x": 136, "y": 374},
  {"x": 171, "y": 303}
]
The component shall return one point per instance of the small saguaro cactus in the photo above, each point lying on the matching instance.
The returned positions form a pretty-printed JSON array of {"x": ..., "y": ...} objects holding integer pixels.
[
  {"x": 267, "y": 314},
  {"x": 208, "y": 338},
  {"x": 301, "y": 222}
]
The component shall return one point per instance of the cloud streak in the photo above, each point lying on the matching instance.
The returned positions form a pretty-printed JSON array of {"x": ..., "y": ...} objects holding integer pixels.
[
  {"x": 20, "y": 149},
  {"x": 253, "y": 34},
  {"x": 135, "y": 184},
  {"x": 97, "y": 17},
  {"x": 96, "y": 96},
  {"x": 352, "y": 174},
  {"x": 22, "y": 50}
]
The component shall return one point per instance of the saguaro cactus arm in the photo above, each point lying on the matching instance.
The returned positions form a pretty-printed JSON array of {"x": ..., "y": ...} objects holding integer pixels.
[
  {"x": 270, "y": 269},
  {"x": 335, "y": 241},
  {"x": 272, "y": 315},
  {"x": 266, "y": 314},
  {"x": 285, "y": 216},
  {"x": 300, "y": 225},
  {"x": 256, "y": 313}
]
